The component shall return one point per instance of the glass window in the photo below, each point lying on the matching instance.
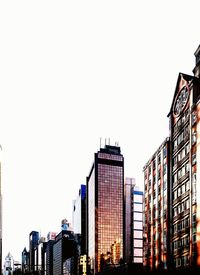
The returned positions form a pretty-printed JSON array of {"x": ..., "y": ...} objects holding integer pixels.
[
  {"x": 138, "y": 234},
  {"x": 138, "y": 252},
  {"x": 138, "y": 260},
  {"x": 138, "y": 207},
  {"x": 138, "y": 243},
  {"x": 137, "y": 216},
  {"x": 138, "y": 198},
  {"x": 137, "y": 225}
]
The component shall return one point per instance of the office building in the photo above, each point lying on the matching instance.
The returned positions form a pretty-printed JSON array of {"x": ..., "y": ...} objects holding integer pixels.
[
  {"x": 79, "y": 217},
  {"x": 25, "y": 261},
  {"x": 105, "y": 211},
  {"x": 133, "y": 223},
  {"x": 49, "y": 252},
  {"x": 33, "y": 251},
  {"x": 42, "y": 244},
  {"x": 156, "y": 209},
  {"x": 64, "y": 250}
]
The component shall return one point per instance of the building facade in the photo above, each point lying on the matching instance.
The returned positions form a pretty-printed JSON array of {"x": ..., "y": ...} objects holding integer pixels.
[
  {"x": 79, "y": 216},
  {"x": 64, "y": 251},
  {"x": 133, "y": 253},
  {"x": 184, "y": 119},
  {"x": 156, "y": 209},
  {"x": 105, "y": 199},
  {"x": 183, "y": 184},
  {"x": 33, "y": 251}
]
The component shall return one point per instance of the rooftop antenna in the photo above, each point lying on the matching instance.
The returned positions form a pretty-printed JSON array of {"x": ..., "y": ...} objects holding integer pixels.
[
  {"x": 100, "y": 142},
  {"x": 108, "y": 141}
]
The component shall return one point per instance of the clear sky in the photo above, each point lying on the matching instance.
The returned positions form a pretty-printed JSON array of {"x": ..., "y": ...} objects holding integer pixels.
[{"x": 72, "y": 72}]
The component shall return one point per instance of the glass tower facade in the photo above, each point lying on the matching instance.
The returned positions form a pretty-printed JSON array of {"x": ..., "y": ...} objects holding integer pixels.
[{"x": 105, "y": 191}]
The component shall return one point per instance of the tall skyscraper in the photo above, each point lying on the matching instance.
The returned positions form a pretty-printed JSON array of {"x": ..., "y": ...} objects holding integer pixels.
[
  {"x": 156, "y": 209},
  {"x": 105, "y": 199},
  {"x": 133, "y": 223}
]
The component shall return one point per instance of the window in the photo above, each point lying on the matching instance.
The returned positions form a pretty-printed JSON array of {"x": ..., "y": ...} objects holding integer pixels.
[
  {"x": 137, "y": 216},
  {"x": 187, "y": 167},
  {"x": 138, "y": 243},
  {"x": 178, "y": 262},
  {"x": 137, "y": 225},
  {"x": 175, "y": 195},
  {"x": 187, "y": 149},
  {"x": 175, "y": 211},
  {"x": 154, "y": 164},
  {"x": 194, "y": 178},
  {"x": 138, "y": 234},
  {"x": 165, "y": 169},
  {"x": 187, "y": 186},
  {"x": 194, "y": 137},
  {"x": 175, "y": 143},
  {"x": 165, "y": 184},
  {"x": 175, "y": 228},
  {"x": 175, "y": 177},
  {"x": 193, "y": 117},
  {"x": 138, "y": 207},
  {"x": 165, "y": 151},
  {"x": 179, "y": 192},
  {"x": 183, "y": 189},
  {"x": 193, "y": 159},
  {"x": 158, "y": 174}
]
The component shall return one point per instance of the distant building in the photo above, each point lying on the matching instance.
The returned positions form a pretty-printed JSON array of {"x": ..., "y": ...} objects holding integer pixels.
[
  {"x": 105, "y": 199},
  {"x": 133, "y": 222},
  {"x": 49, "y": 256},
  {"x": 42, "y": 255},
  {"x": 33, "y": 251},
  {"x": 63, "y": 252},
  {"x": 25, "y": 261},
  {"x": 79, "y": 216}
]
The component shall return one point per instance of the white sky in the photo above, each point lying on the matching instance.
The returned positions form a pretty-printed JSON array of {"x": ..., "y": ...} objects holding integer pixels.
[{"x": 70, "y": 73}]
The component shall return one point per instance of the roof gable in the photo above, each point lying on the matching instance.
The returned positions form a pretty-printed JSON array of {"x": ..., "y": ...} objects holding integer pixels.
[{"x": 183, "y": 79}]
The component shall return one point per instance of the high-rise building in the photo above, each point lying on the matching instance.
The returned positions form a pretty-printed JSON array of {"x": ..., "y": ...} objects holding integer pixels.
[
  {"x": 184, "y": 118},
  {"x": 183, "y": 195},
  {"x": 133, "y": 253},
  {"x": 105, "y": 211},
  {"x": 79, "y": 217},
  {"x": 33, "y": 251},
  {"x": 25, "y": 261},
  {"x": 49, "y": 257},
  {"x": 156, "y": 209},
  {"x": 63, "y": 251}
]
